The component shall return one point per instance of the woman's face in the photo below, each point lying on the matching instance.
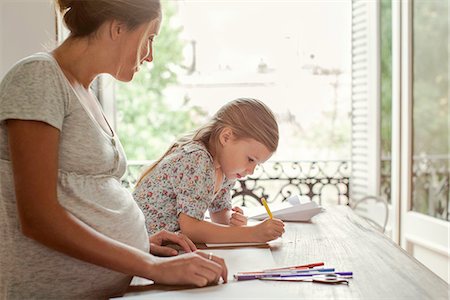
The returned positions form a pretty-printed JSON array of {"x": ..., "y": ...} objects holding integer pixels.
[{"x": 135, "y": 48}]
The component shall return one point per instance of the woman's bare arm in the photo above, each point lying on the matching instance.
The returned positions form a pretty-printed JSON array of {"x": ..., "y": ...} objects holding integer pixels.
[{"x": 34, "y": 155}]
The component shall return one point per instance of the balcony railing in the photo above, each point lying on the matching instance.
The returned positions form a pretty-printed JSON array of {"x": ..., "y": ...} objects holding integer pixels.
[
  {"x": 320, "y": 181},
  {"x": 328, "y": 181},
  {"x": 430, "y": 183}
]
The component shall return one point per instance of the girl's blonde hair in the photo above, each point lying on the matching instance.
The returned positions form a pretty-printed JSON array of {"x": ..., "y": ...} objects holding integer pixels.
[{"x": 247, "y": 118}]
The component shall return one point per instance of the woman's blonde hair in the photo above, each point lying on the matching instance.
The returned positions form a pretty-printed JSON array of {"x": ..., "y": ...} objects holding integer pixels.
[
  {"x": 247, "y": 118},
  {"x": 84, "y": 17}
]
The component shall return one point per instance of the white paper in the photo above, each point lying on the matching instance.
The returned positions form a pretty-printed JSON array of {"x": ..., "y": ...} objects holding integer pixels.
[
  {"x": 224, "y": 245},
  {"x": 237, "y": 260},
  {"x": 293, "y": 209},
  {"x": 138, "y": 281},
  {"x": 249, "y": 289},
  {"x": 245, "y": 259}
]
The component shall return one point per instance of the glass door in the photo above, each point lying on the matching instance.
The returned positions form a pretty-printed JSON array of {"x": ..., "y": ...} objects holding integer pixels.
[{"x": 425, "y": 133}]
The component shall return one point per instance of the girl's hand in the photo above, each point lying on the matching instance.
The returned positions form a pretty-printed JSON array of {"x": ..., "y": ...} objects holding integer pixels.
[
  {"x": 195, "y": 268},
  {"x": 268, "y": 230},
  {"x": 237, "y": 217},
  {"x": 158, "y": 242}
]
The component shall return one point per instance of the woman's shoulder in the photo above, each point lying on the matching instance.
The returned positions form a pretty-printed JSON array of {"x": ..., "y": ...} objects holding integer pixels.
[
  {"x": 39, "y": 67},
  {"x": 37, "y": 60},
  {"x": 38, "y": 56}
]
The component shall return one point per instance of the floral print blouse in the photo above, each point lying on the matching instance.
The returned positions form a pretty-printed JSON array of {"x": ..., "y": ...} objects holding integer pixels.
[{"x": 183, "y": 182}]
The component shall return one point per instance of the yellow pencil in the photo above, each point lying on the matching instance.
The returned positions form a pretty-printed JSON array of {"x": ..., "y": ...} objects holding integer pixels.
[{"x": 263, "y": 200}]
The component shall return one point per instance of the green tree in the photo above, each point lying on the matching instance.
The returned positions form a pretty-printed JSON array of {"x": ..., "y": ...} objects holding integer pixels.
[
  {"x": 147, "y": 121},
  {"x": 430, "y": 77},
  {"x": 386, "y": 96},
  {"x": 431, "y": 107},
  {"x": 386, "y": 76}
]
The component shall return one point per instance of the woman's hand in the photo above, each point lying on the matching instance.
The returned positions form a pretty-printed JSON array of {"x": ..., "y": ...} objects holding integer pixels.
[
  {"x": 158, "y": 242},
  {"x": 237, "y": 217},
  {"x": 195, "y": 268},
  {"x": 268, "y": 230}
]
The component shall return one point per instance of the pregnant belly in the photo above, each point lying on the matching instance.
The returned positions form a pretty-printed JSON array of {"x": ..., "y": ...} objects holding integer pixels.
[{"x": 102, "y": 203}]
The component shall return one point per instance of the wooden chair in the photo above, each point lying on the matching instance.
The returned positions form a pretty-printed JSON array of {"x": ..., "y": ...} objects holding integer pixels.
[{"x": 367, "y": 201}]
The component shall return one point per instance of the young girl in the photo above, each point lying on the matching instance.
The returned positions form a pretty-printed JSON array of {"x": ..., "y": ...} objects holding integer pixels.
[{"x": 197, "y": 173}]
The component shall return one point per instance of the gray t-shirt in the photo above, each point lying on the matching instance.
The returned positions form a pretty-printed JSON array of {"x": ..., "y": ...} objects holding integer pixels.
[{"x": 91, "y": 163}]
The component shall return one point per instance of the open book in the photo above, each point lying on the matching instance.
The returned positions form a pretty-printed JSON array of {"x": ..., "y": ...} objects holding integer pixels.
[{"x": 294, "y": 208}]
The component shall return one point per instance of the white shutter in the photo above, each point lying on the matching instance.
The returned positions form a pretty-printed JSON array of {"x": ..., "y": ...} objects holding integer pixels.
[{"x": 365, "y": 148}]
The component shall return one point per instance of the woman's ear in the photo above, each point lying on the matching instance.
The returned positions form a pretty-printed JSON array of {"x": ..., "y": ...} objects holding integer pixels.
[
  {"x": 226, "y": 135},
  {"x": 116, "y": 28}
]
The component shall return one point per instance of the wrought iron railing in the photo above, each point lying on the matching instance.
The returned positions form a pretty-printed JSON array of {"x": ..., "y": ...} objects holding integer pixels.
[
  {"x": 320, "y": 181},
  {"x": 431, "y": 194},
  {"x": 430, "y": 184},
  {"x": 328, "y": 181}
]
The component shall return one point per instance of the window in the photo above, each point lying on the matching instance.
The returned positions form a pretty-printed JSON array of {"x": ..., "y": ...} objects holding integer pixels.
[
  {"x": 431, "y": 151},
  {"x": 294, "y": 56}
]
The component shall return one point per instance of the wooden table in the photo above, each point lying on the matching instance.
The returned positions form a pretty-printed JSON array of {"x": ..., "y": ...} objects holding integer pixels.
[{"x": 338, "y": 237}]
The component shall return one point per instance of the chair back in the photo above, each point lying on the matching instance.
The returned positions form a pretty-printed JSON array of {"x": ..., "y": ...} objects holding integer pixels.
[{"x": 361, "y": 206}]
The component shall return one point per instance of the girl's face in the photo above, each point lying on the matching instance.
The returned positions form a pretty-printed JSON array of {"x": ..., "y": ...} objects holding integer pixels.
[
  {"x": 136, "y": 47},
  {"x": 239, "y": 157}
]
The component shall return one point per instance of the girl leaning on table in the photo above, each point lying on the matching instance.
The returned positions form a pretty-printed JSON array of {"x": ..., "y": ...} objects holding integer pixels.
[
  {"x": 198, "y": 171},
  {"x": 69, "y": 229}
]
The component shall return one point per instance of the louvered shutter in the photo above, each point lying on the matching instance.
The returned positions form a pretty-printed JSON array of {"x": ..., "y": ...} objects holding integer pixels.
[{"x": 365, "y": 147}]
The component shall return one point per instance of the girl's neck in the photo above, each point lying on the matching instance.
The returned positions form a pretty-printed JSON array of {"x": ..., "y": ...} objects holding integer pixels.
[
  {"x": 211, "y": 147},
  {"x": 219, "y": 175}
]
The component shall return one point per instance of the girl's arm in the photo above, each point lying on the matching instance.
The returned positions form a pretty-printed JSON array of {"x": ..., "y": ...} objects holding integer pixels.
[
  {"x": 34, "y": 155},
  {"x": 201, "y": 231},
  {"x": 221, "y": 217},
  {"x": 234, "y": 217}
]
